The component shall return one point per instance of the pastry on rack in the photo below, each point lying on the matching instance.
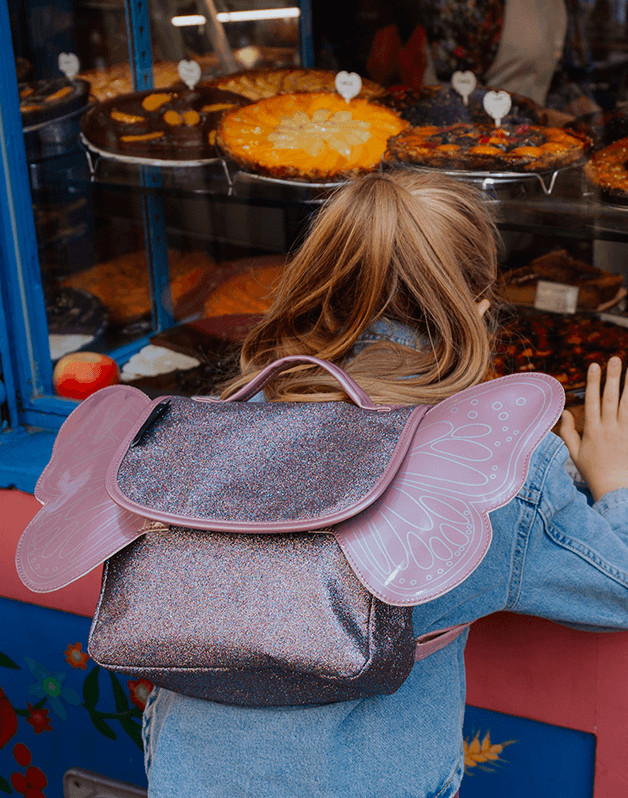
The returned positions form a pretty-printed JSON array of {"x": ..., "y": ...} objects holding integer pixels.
[
  {"x": 595, "y": 286},
  {"x": 442, "y": 105},
  {"x": 114, "y": 80},
  {"x": 259, "y": 84},
  {"x": 315, "y": 137},
  {"x": 44, "y": 100},
  {"x": 557, "y": 344},
  {"x": 527, "y": 148},
  {"x": 603, "y": 127},
  {"x": 176, "y": 124},
  {"x": 607, "y": 172},
  {"x": 123, "y": 287}
]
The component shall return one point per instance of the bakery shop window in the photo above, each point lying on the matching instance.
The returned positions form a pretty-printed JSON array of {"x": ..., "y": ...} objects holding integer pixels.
[{"x": 165, "y": 213}]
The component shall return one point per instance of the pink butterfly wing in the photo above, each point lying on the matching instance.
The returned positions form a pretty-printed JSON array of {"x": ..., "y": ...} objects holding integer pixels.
[
  {"x": 430, "y": 529},
  {"x": 79, "y": 526}
]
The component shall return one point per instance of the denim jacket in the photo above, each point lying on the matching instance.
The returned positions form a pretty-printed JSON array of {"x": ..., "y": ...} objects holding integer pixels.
[{"x": 552, "y": 555}]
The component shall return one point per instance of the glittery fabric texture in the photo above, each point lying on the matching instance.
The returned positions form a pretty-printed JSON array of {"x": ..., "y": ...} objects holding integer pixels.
[
  {"x": 256, "y": 620},
  {"x": 261, "y": 462}
]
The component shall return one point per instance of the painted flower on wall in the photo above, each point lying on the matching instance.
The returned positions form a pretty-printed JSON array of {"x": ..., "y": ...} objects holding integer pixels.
[
  {"x": 75, "y": 656},
  {"x": 38, "y": 718},
  {"x": 139, "y": 691},
  {"x": 50, "y": 686}
]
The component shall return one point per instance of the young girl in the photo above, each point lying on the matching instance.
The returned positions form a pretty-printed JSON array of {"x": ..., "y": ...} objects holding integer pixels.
[{"x": 395, "y": 283}]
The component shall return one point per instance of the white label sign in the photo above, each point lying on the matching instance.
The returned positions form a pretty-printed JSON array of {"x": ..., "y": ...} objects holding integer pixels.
[
  {"x": 69, "y": 64},
  {"x": 464, "y": 83},
  {"x": 556, "y": 297},
  {"x": 348, "y": 85},
  {"x": 189, "y": 72},
  {"x": 497, "y": 104}
]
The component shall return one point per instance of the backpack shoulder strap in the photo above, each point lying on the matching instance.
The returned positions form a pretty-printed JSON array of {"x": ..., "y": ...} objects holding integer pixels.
[{"x": 433, "y": 641}]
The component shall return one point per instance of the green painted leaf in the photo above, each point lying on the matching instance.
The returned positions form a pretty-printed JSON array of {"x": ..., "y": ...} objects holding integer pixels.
[
  {"x": 122, "y": 704},
  {"x": 102, "y": 727},
  {"x": 91, "y": 691},
  {"x": 134, "y": 730},
  {"x": 7, "y": 662},
  {"x": 5, "y": 786}
]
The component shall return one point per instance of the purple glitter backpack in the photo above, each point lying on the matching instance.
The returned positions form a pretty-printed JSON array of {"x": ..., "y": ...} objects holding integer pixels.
[{"x": 271, "y": 553}]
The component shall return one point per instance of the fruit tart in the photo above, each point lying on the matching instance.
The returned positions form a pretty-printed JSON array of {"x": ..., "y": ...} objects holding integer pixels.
[
  {"x": 317, "y": 137},
  {"x": 258, "y": 84},
  {"x": 527, "y": 148}
]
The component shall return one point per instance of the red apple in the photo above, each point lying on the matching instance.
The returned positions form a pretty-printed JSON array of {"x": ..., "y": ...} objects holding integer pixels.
[{"x": 80, "y": 374}]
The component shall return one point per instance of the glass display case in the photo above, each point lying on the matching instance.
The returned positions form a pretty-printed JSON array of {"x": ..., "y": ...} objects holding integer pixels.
[{"x": 135, "y": 229}]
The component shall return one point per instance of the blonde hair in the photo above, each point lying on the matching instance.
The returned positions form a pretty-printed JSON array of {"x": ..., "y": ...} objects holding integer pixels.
[{"x": 414, "y": 248}]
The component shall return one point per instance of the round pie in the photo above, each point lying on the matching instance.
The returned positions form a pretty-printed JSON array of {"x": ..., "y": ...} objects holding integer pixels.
[
  {"x": 607, "y": 171},
  {"x": 527, "y": 148},
  {"x": 175, "y": 124},
  {"x": 313, "y": 137},
  {"x": 442, "y": 105},
  {"x": 258, "y": 84},
  {"x": 45, "y": 100}
]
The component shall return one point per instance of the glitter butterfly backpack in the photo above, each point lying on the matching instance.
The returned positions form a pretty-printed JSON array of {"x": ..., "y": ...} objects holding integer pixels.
[{"x": 272, "y": 553}]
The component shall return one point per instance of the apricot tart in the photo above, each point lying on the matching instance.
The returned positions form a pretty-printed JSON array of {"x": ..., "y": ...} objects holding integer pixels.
[
  {"x": 315, "y": 137},
  {"x": 258, "y": 84},
  {"x": 175, "y": 124},
  {"x": 527, "y": 148},
  {"x": 607, "y": 171}
]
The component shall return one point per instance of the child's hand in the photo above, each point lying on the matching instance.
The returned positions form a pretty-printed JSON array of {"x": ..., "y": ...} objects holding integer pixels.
[{"x": 601, "y": 455}]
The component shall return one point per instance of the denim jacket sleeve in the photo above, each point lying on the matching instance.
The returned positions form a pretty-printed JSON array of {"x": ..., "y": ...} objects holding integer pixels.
[{"x": 570, "y": 560}]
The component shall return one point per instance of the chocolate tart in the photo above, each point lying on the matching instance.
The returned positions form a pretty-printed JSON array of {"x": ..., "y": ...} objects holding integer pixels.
[
  {"x": 442, "y": 106},
  {"x": 45, "y": 100},
  {"x": 595, "y": 286},
  {"x": 175, "y": 124}
]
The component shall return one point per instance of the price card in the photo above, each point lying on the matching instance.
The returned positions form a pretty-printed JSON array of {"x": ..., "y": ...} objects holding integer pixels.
[
  {"x": 464, "y": 83},
  {"x": 348, "y": 85},
  {"x": 556, "y": 297},
  {"x": 189, "y": 72},
  {"x": 497, "y": 104},
  {"x": 69, "y": 64}
]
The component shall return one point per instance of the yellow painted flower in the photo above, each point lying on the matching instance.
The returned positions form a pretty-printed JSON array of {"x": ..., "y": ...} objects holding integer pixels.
[
  {"x": 478, "y": 753},
  {"x": 75, "y": 656}
]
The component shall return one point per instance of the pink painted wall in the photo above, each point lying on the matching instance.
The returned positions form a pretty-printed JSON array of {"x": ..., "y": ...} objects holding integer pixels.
[{"x": 518, "y": 665}]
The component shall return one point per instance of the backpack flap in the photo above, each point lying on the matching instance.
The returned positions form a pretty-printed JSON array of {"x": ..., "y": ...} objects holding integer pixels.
[{"x": 258, "y": 467}]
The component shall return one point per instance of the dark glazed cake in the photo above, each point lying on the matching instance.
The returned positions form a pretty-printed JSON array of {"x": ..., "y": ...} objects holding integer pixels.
[
  {"x": 44, "y": 100},
  {"x": 175, "y": 124}
]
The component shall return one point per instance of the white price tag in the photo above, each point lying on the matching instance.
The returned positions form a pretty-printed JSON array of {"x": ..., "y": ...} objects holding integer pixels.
[
  {"x": 348, "y": 85},
  {"x": 464, "y": 83},
  {"x": 556, "y": 297},
  {"x": 189, "y": 72},
  {"x": 497, "y": 104},
  {"x": 69, "y": 64}
]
